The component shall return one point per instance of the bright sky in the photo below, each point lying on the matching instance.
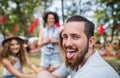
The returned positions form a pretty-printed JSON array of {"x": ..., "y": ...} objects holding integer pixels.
[{"x": 56, "y": 6}]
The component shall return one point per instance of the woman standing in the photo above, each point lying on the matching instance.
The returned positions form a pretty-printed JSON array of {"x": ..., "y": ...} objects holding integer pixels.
[
  {"x": 13, "y": 57},
  {"x": 48, "y": 42}
]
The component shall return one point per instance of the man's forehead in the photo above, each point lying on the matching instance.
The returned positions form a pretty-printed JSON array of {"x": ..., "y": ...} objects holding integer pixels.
[
  {"x": 73, "y": 28},
  {"x": 74, "y": 25}
]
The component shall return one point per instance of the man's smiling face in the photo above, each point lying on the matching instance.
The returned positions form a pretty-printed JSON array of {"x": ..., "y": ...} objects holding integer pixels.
[{"x": 74, "y": 42}]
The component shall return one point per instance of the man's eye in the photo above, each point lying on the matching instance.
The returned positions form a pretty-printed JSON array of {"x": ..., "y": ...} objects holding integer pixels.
[
  {"x": 76, "y": 37},
  {"x": 64, "y": 37}
]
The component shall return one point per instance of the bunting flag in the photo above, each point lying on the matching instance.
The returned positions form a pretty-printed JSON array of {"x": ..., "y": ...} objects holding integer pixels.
[
  {"x": 17, "y": 28},
  {"x": 3, "y": 20},
  {"x": 57, "y": 24},
  {"x": 34, "y": 25},
  {"x": 101, "y": 30}
]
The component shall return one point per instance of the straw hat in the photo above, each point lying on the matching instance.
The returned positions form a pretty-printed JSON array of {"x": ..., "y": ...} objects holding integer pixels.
[{"x": 11, "y": 38}]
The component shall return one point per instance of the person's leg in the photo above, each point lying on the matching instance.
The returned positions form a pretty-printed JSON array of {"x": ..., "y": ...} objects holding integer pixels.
[
  {"x": 45, "y": 61},
  {"x": 56, "y": 61}
]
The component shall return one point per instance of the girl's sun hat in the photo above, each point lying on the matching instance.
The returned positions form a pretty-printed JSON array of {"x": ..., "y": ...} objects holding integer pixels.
[{"x": 11, "y": 38}]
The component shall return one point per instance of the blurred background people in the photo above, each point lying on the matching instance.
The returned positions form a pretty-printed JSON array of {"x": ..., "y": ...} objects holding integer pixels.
[
  {"x": 109, "y": 49},
  {"x": 49, "y": 42}
]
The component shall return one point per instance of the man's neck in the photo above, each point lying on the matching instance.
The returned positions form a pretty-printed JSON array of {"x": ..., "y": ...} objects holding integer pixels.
[{"x": 87, "y": 56}]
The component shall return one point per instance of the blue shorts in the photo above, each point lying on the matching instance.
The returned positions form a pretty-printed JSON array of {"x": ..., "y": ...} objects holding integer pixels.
[
  {"x": 54, "y": 60},
  {"x": 9, "y": 76}
]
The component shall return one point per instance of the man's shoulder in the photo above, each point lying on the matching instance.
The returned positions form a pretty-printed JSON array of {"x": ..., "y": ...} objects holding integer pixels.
[{"x": 96, "y": 74}]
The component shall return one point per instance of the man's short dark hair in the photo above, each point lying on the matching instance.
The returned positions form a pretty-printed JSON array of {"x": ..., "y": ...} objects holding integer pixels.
[{"x": 89, "y": 26}]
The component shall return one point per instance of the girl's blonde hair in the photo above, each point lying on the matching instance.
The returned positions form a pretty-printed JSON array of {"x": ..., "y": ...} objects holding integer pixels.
[{"x": 1, "y": 50}]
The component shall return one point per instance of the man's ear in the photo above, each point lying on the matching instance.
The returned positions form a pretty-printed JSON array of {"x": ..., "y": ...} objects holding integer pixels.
[{"x": 91, "y": 41}]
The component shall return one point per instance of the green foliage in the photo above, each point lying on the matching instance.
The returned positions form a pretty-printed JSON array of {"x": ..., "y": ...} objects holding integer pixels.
[
  {"x": 108, "y": 10},
  {"x": 17, "y": 12}
]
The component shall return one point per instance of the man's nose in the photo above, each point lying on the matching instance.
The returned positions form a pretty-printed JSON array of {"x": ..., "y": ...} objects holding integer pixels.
[{"x": 69, "y": 42}]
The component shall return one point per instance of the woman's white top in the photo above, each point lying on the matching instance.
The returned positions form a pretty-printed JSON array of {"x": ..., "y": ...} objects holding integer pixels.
[{"x": 17, "y": 66}]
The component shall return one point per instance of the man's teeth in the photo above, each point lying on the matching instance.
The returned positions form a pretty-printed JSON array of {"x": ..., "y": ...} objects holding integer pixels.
[{"x": 70, "y": 51}]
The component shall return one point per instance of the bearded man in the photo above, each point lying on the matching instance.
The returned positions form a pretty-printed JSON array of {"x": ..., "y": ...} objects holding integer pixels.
[{"x": 81, "y": 61}]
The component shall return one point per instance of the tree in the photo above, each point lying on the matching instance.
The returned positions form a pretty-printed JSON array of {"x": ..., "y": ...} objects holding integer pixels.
[
  {"x": 108, "y": 12},
  {"x": 18, "y": 12}
]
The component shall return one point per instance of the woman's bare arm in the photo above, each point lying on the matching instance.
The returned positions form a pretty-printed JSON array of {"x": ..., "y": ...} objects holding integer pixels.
[
  {"x": 6, "y": 63},
  {"x": 47, "y": 74},
  {"x": 30, "y": 64}
]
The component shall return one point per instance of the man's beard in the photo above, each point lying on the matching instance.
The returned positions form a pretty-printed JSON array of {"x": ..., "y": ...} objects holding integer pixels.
[{"x": 78, "y": 60}]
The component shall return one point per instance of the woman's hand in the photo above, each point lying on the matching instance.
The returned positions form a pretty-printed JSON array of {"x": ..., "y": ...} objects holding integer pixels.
[
  {"x": 52, "y": 40},
  {"x": 46, "y": 41}
]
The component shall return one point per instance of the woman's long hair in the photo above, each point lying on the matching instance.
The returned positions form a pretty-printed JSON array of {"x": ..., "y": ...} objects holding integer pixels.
[{"x": 7, "y": 54}]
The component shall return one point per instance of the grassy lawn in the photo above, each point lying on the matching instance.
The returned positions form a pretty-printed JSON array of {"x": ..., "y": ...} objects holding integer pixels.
[{"x": 35, "y": 58}]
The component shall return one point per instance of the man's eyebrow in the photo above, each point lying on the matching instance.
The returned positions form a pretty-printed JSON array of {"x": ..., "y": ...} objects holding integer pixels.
[
  {"x": 77, "y": 35},
  {"x": 74, "y": 34},
  {"x": 62, "y": 33}
]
